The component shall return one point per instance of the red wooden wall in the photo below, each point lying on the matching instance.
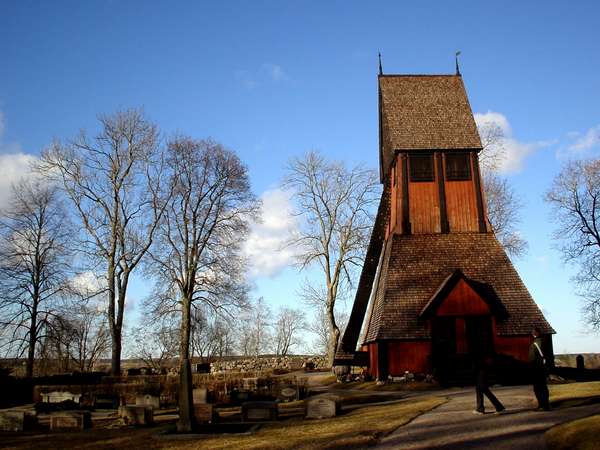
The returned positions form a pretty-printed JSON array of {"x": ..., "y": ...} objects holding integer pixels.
[
  {"x": 463, "y": 301},
  {"x": 424, "y": 202}
]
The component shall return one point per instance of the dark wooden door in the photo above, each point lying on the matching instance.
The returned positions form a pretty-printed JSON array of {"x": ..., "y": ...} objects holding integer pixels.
[{"x": 480, "y": 342}]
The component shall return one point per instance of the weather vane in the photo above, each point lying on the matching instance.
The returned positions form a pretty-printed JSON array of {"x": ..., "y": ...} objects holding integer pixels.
[
  {"x": 456, "y": 59},
  {"x": 380, "y": 69}
]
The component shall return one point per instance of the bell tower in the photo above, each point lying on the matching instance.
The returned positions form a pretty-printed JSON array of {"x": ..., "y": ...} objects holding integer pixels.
[{"x": 437, "y": 288}]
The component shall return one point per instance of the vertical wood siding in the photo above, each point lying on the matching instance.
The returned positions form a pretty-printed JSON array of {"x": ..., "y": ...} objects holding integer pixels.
[
  {"x": 463, "y": 301},
  {"x": 424, "y": 207},
  {"x": 414, "y": 356}
]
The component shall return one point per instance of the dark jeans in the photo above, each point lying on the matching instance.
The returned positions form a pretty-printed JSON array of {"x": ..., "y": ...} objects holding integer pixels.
[
  {"x": 481, "y": 389},
  {"x": 540, "y": 388}
]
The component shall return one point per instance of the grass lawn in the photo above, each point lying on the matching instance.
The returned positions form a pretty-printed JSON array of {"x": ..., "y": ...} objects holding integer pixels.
[
  {"x": 572, "y": 391},
  {"x": 580, "y": 434},
  {"x": 358, "y": 428}
]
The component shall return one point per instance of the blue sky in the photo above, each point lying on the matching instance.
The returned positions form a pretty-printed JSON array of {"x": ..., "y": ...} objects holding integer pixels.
[{"x": 275, "y": 79}]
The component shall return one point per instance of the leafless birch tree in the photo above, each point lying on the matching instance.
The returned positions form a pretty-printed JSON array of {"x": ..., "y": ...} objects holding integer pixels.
[
  {"x": 197, "y": 257},
  {"x": 113, "y": 183},
  {"x": 34, "y": 265},
  {"x": 336, "y": 204},
  {"x": 575, "y": 199}
]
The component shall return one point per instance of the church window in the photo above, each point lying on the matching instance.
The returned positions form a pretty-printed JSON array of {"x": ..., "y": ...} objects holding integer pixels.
[
  {"x": 421, "y": 167},
  {"x": 458, "y": 167}
]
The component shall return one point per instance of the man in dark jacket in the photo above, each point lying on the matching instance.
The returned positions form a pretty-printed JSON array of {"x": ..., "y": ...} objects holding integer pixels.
[
  {"x": 483, "y": 367},
  {"x": 537, "y": 363}
]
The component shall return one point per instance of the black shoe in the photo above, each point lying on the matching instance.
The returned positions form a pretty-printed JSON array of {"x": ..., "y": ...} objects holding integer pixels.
[
  {"x": 477, "y": 411},
  {"x": 501, "y": 410}
]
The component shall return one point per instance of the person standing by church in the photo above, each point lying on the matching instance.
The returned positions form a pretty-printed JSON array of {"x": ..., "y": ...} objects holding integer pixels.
[{"x": 537, "y": 363}]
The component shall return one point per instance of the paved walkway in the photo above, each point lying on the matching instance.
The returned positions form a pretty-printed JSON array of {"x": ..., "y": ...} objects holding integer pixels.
[{"x": 454, "y": 426}]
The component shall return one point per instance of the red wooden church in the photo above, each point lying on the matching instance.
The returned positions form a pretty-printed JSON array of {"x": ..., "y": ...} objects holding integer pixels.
[{"x": 436, "y": 287}]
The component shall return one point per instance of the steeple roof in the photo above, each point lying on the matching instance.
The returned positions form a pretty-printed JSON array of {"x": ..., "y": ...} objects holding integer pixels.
[{"x": 424, "y": 112}]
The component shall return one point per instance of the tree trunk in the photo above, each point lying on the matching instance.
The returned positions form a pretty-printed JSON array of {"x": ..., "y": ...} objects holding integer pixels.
[
  {"x": 186, "y": 410},
  {"x": 115, "y": 361},
  {"x": 334, "y": 335},
  {"x": 32, "y": 340}
]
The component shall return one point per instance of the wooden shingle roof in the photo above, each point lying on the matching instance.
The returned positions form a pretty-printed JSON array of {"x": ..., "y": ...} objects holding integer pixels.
[
  {"x": 424, "y": 112},
  {"x": 418, "y": 264}
]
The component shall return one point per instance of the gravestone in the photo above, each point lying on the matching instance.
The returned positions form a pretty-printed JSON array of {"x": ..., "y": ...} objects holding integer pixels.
[
  {"x": 203, "y": 368},
  {"x": 287, "y": 392},
  {"x": 199, "y": 395},
  {"x": 250, "y": 384},
  {"x": 70, "y": 421},
  {"x": 151, "y": 401},
  {"x": 12, "y": 420},
  {"x": 259, "y": 411},
  {"x": 60, "y": 396},
  {"x": 106, "y": 402},
  {"x": 321, "y": 407},
  {"x": 136, "y": 415},
  {"x": 203, "y": 412}
]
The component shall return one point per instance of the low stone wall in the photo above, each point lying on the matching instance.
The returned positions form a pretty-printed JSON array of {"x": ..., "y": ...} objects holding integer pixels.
[
  {"x": 591, "y": 360},
  {"x": 264, "y": 363}
]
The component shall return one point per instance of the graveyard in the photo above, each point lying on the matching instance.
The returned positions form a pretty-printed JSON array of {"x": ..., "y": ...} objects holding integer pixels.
[{"x": 299, "y": 409}]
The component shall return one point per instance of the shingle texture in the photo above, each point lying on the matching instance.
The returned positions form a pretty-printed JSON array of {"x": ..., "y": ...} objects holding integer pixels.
[
  {"x": 424, "y": 112},
  {"x": 417, "y": 265}
]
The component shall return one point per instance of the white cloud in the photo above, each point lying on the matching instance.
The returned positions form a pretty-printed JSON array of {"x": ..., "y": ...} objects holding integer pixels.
[
  {"x": 265, "y": 247},
  {"x": 515, "y": 151},
  {"x": 266, "y": 73},
  {"x": 275, "y": 72},
  {"x": 585, "y": 142},
  {"x": 13, "y": 167}
]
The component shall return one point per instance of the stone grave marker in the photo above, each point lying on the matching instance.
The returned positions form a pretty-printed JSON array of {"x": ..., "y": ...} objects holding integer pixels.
[
  {"x": 70, "y": 420},
  {"x": 203, "y": 412},
  {"x": 106, "y": 402},
  {"x": 147, "y": 400},
  {"x": 12, "y": 420},
  {"x": 287, "y": 392},
  {"x": 60, "y": 396},
  {"x": 136, "y": 415},
  {"x": 250, "y": 384},
  {"x": 259, "y": 411},
  {"x": 199, "y": 395},
  {"x": 321, "y": 407}
]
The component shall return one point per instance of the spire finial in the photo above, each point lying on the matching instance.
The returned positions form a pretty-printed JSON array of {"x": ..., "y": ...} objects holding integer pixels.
[
  {"x": 456, "y": 60},
  {"x": 380, "y": 69}
]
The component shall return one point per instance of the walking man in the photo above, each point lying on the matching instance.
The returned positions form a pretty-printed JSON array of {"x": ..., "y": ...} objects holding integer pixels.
[
  {"x": 537, "y": 363},
  {"x": 483, "y": 365}
]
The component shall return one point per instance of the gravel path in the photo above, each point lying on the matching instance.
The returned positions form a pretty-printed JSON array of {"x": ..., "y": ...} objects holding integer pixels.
[{"x": 454, "y": 426}]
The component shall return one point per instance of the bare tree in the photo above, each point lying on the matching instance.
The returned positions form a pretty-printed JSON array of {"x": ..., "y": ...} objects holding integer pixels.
[
  {"x": 211, "y": 336},
  {"x": 336, "y": 204},
  {"x": 157, "y": 345},
  {"x": 575, "y": 199},
  {"x": 113, "y": 181},
  {"x": 197, "y": 257},
  {"x": 288, "y": 324},
  {"x": 318, "y": 325},
  {"x": 254, "y": 336},
  {"x": 34, "y": 264},
  {"x": 76, "y": 336},
  {"x": 503, "y": 204}
]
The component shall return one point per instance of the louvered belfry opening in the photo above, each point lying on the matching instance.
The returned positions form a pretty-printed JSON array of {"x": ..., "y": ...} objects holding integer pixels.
[{"x": 437, "y": 289}]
